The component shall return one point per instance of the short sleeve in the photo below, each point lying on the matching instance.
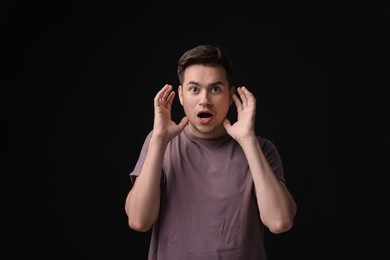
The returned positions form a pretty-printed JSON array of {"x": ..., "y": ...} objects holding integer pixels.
[
  {"x": 273, "y": 157},
  {"x": 141, "y": 159}
]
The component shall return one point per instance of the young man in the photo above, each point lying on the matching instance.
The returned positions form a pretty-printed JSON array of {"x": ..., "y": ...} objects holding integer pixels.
[{"x": 206, "y": 186}]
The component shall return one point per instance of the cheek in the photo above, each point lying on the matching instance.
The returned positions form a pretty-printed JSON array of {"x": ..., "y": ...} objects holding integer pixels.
[
  {"x": 187, "y": 100},
  {"x": 188, "y": 103},
  {"x": 224, "y": 102},
  {"x": 227, "y": 105}
]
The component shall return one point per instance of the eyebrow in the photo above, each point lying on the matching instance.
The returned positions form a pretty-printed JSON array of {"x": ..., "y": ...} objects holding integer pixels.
[{"x": 218, "y": 82}]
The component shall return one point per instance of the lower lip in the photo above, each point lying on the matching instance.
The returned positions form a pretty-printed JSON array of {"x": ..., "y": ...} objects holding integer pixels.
[{"x": 205, "y": 121}]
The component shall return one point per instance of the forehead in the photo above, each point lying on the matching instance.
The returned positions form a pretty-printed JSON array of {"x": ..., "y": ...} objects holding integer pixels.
[{"x": 202, "y": 74}]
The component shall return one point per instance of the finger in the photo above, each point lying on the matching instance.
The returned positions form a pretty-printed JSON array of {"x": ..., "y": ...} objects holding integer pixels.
[
  {"x": 243, "y": 96},
  {"x": 158, "y": 99},
  {"x": 226, "y": 123},
  {"x": 249, "y": 96},
  {"x": 166, "y": 93},
  {"x": 183, "y": 122},
  {"x": 169, "y": 100},
  {"x": 238, "y": 103}
]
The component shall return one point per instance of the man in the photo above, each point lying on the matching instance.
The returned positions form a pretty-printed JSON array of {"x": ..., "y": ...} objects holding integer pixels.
[{"x": 206, "y": 186}]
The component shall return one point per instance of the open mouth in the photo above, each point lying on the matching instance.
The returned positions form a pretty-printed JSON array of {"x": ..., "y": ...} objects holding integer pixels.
[{"x": 204, "y": 115}]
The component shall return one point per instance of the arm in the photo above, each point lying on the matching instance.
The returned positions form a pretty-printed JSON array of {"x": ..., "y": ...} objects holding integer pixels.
[
  {"x": 142, "y": 203},
  {"x": 276, "y": 205}
]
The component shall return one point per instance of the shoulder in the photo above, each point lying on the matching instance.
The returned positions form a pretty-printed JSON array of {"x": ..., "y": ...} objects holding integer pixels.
[{"x": 266, "y": 143}]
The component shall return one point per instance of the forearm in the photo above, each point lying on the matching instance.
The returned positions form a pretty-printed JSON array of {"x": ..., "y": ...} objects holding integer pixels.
[
  {"x": 143, "y": 201},
  {"x": 276, "y": 205}
]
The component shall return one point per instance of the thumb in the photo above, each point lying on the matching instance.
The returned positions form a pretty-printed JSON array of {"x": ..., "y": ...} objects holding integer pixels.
[
  {"x": 183, "y": 122},
  {"x": 226, "y": 124}
]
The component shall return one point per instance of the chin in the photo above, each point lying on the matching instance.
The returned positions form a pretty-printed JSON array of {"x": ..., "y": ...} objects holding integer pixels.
[{"x": 208, "y": 131}]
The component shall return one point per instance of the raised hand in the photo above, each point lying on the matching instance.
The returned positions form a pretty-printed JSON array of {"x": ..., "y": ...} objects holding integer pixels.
[
  {"x": 163, "y": 126},
  {"x": 244, "y": 127}
]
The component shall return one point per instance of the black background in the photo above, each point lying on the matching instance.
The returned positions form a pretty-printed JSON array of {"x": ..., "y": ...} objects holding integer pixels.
[{"x": 78, "y": 102}]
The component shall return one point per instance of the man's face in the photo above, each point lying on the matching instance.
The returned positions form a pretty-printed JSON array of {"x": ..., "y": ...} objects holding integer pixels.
[{"x": 205, "y": 97}]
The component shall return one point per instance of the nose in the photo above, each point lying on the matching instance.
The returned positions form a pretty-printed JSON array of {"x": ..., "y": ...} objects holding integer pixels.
[{"x": 204, "y": 99}]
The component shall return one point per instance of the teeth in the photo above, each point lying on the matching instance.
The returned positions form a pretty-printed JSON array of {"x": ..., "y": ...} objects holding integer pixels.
[{"x": 204, "y": 115}]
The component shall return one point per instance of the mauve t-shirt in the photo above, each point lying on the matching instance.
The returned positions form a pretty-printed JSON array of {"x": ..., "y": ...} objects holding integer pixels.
[{"x": 208, "y": 205}]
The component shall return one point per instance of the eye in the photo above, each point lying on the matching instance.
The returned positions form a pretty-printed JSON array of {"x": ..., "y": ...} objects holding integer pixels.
[
  {"x": 215, "y": 89},
  {"x": 194, "y": 89}
]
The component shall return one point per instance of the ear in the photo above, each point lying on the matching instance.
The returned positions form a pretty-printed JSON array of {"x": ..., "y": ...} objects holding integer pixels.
[
  {"x": 180, "y": 92},
  {"x": 232, "y": 92}
]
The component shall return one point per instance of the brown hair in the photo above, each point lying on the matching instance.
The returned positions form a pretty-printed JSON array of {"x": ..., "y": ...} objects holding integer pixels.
[{"x": 209, "y": 55}]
